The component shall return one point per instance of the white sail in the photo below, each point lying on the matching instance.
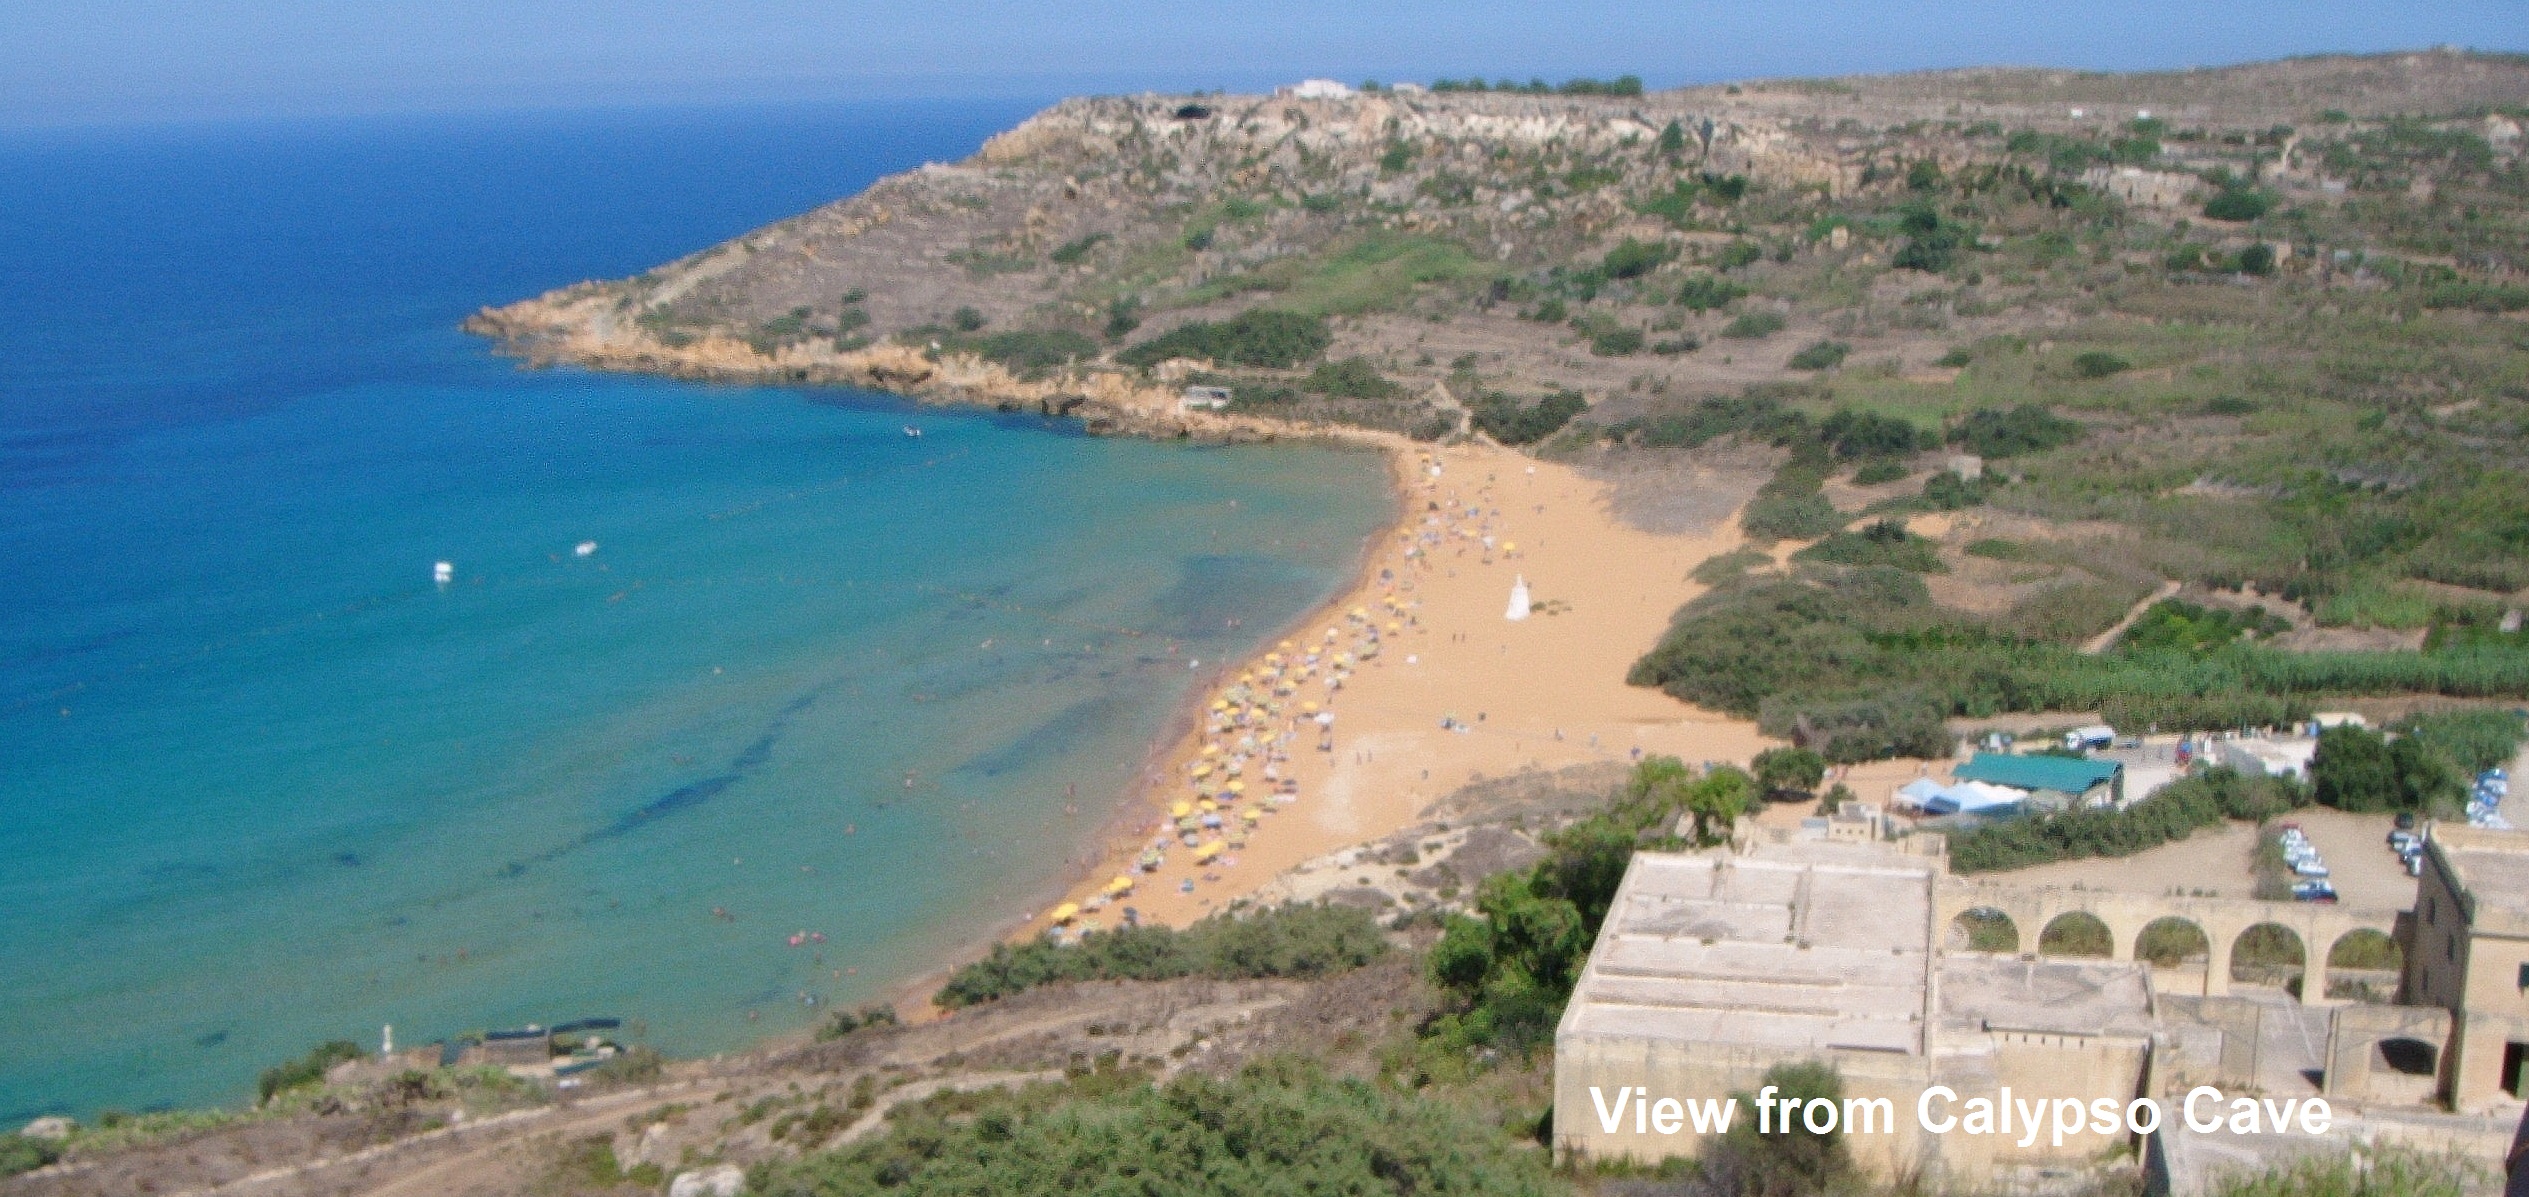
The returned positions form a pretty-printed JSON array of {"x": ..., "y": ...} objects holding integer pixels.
[{"x": 1518, "y": 599}]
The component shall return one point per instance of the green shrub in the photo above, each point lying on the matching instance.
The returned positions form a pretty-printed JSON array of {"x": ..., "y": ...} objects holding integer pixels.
[
  {"x": 1506, "y": 419},
  {"x": 1820, "y": 355},
  {"x": 1285, "y": 941},
  {"x": 23, "y": 1153},
  {"x": 2027, "y": 428},
  {"x": 306, "y": 1070},
  {"x": 1704, "y": 292},
  {"x": 1884, "y": 543},
  {"x": 1616, "y": 342},
  {"x": 1853, "y": 434},
  {"x": 1946, "y": 491},
  {"x": 1073, "y": 252},
  {"x": 1257, "y": 337},
  {"x": 844, "y": 1022},
  {"x": 966, "y": 320},
  {"x": 1030, "y": 349},
  {"x": 1633, "y": 259},
  {"x": 1803, "y": 517},
  {"x": 1551, "y": 311},
  {"x": 2099, "y": 364},
  {"x": 1351, "y": 378},
  {"x": 2481, "y": 297},
  {"x": 1994, "y": 548},
  {"x": 2237, "y": 205},
  {"x": 1957, "y": 358},
  {"x": 1879, "y": 470},
  {"x": 1751, "y": 326},
  {"x": 1738, "y": 254},
  {"x": 1790, "y": 1161}
]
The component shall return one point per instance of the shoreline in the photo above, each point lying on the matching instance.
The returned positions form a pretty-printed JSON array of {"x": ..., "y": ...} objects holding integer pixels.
[
  {"x": 1552, "y": 693},
  {"x": 1392, "y": 705}
]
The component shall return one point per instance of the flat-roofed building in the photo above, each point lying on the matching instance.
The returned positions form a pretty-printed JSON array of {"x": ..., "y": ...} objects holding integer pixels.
[
  {"x": 2468, "y": 953},
  {"x": 1714, "y": 966}
]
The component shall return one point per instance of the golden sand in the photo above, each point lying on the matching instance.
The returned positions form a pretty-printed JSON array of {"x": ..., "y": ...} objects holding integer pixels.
[{"x": 1544, "y": 692}]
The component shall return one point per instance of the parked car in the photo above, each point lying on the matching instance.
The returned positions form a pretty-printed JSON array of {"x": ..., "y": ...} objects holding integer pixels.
[
  {"x": 2406, "y": 820},
  {"x": 2313, "y": 891}
]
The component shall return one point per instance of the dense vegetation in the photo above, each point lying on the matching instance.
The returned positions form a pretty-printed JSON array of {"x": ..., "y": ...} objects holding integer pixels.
[
  {"x": 1862, "y": 664},
  {"x": 2177, "y": 811},
  {"x": 1278, "y": 1127},
  {"x": 1286, "y": 941},
  {"x": 1259, "y": 337},
  {"x": 1506, "y": 419},
  {"x": 1508, "y": 973},
  {"x": 2425, "y": 764}
]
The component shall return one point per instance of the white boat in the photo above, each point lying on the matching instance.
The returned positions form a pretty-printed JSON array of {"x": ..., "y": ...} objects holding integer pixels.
[
  {"x": 1519, "y": 604},
  {"x": 911, "y": 431},
  {"x": 584, "y": 548},
  {"x": 443, "y": 573}
]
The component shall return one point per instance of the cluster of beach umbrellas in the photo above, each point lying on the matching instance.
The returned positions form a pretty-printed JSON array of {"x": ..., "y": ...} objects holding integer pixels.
[{"x": 1239, "y": 773}]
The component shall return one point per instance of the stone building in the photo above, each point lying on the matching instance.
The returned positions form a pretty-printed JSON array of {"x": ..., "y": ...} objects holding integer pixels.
[{"x": 2468, "y": 953}]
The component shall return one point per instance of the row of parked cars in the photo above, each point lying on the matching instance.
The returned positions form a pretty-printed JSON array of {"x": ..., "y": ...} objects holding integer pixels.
[
  {"x": 2307, "y": 865},
  {"x": 2485, "y": 802}
]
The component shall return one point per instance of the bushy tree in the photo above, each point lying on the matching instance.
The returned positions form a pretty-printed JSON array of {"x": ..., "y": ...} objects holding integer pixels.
[
  {"x": 1791, "y": 1161},
  {"x": 1257, "y": 337},
  {"x": 1789, "y": 770}
]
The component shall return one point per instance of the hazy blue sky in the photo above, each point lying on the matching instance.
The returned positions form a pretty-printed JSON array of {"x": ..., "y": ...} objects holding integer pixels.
[{"x": 80, "y": 61}]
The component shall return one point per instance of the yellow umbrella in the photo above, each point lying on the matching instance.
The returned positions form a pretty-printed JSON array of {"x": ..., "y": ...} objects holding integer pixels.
[
  {"x": 1206, "y": 852},
  {"x": 1394, "y": 626},
  {"x": 1207, "y": 806},
  {"x": 1211, "y": 750},
  {"x": 1251, "y": 814},
  {"x": 1286, "y": 646},
  {"x": 1308, "y": 708},
  {"x": 1238, "y": 787},
  {"x": 1202, "y": 771},
  {"x": 1070, "y": 910},
  {"x": 1121, "y": 885},
  {"x": 1181, "y": 810},
  {"x": 1510, "y": 546}
]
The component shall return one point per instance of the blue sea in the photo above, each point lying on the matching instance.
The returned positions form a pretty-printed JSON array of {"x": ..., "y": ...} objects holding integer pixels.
[{"x": 264, "y": 783}]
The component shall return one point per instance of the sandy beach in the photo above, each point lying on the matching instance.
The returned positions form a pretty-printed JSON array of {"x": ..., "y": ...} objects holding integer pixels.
[{"x": 1434, "y": 686}]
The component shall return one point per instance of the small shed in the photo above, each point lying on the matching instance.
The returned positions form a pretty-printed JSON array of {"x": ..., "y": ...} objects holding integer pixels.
[{"x": 1203, "y": 399}]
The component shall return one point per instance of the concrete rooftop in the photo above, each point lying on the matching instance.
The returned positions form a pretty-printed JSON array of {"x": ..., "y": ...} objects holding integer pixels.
[{"x": 1794, "y": 946}]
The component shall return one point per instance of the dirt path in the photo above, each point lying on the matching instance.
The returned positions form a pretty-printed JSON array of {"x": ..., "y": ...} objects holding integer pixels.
[{"x": 2099, "y": 643}]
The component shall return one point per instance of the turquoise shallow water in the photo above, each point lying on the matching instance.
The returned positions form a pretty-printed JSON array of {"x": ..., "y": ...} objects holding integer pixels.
[{"x": 263, "y": 783}]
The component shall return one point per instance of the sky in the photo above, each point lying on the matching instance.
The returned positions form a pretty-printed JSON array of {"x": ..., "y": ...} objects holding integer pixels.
[{"x": 76, "y": 62}]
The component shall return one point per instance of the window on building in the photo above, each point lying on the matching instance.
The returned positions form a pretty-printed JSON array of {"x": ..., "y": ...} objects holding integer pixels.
[{"x": 2524, "y": 976}]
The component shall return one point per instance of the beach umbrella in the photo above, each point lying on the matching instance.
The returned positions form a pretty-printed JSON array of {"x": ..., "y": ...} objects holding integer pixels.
[
  {"x": 1251, "y": 814},
  {"x": 1211, "y": 750},
  {"x": 1070, "y": 910},
  {"x": 1204, "y": 853},
  {"x": 1510, "y": 546},
  {"x": 1180, "y": 810},
  {"x": 1238, "y": 787},
  {"x": 1308, "y": 708},
  {"x": 1394, "y": 626},
  {"x": 1201, "y": 771},
  {"x": 1121, "y": 885}
]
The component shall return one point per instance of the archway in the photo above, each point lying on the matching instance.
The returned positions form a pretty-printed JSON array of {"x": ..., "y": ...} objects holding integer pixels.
[
  {"x": 2363, "y": 966},
  {"x": 2076, "y": 933},
  {"x": 1983, "y": 929},
  {"x": 2406, "y": 1057},
  {"x": 2173, "y": 942},
  {"x": 2268, "y": 954}
]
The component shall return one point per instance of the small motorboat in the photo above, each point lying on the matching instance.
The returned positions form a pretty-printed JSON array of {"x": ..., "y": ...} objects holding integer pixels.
[
  {"x": 913, "y": 432},
  {"x": 584, "y": 548}
]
